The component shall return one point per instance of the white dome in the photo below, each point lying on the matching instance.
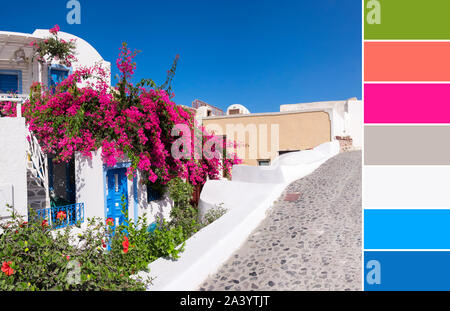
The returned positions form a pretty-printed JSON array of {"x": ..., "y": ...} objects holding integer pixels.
[{"x": 236, "y": 107}]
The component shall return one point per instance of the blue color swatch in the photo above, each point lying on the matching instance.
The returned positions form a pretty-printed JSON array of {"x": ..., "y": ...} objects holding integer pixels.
[{"x": 406, "y": 229}]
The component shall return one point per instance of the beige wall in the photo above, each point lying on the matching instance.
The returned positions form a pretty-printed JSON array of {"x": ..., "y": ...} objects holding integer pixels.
[{"x": 297, "y": 131}]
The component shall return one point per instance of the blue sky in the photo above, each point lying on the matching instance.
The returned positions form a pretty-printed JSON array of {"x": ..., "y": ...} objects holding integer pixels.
[{"x": 257, "y": 53}]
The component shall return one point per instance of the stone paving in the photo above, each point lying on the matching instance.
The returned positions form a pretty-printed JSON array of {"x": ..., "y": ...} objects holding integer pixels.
[{"x": 312, "y": 242}]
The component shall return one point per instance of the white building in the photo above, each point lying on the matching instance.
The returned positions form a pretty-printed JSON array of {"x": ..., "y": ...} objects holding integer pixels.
[
  {"x": 27, "y": 178},
  {"x": 346, "y": 116}
]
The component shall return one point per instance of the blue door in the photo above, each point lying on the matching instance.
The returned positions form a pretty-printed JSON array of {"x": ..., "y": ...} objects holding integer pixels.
[{"x": 116, "y": 184}]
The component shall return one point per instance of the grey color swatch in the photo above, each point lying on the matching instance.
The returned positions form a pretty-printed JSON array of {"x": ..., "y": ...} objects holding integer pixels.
[{"x": 407, "y": 145}]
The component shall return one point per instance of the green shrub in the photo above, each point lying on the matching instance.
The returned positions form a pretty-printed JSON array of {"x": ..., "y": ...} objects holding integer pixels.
[
  {"x": 34, "y": 258},
  {"x": 213, "y": 214},
  {"x": 183, "y": 214},
  {"x": 143, "y": 246}
]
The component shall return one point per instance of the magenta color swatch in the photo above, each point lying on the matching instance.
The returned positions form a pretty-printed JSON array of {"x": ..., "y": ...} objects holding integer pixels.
[{"x": 406, "y": 103}]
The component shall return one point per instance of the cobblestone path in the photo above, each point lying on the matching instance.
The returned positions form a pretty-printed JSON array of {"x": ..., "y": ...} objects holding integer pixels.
[{"x": 310, "y": 239}]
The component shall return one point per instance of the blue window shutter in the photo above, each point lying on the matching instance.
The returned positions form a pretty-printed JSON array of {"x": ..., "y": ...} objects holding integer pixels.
[
  {"x": 9, "y": 83},
  {"x": 56, "y": 76}
]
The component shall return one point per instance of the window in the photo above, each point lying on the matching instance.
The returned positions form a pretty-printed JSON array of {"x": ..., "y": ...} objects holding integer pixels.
[
  {"x": 10, "y": 81},
  {"x": 56, "y": 75},
  {"x": 265, "y": 162},
  {"x": 281, "y": 152},
  {"x": 61, "y": 182},
  {"x": 153, "y": 194}
]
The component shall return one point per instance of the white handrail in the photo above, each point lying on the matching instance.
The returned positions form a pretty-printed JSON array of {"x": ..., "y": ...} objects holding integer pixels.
[
  {"x": 17, "y": 98},
  {"x": 39, "y": 160}
]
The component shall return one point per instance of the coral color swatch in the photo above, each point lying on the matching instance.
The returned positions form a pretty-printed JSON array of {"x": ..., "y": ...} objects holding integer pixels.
[{"x": 407, "y": 61}]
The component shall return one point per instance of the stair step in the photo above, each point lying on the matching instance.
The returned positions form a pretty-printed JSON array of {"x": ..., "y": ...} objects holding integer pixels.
[
  {"x": 37, "y": 197},
  {"x": 35, "y": 187},
  {"x": 37, "y": 205},
  {"x": 34, "y": 184}
]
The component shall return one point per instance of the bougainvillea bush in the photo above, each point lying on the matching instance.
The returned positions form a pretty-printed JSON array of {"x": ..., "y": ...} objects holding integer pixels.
[
  {"x": 83, "y": 113},
  {"x": 34, "y": 258},
  {"x": 54, "y": 48}
]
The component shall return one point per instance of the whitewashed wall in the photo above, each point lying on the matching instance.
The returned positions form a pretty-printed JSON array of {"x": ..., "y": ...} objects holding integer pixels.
[
  {"x": 153, "y": 210},
  {"x": 13, "y": 175},
  {"x": 90, "y": 190},
  {"x": 355, "y": 122},
  {"x": 89, "y": 184}
]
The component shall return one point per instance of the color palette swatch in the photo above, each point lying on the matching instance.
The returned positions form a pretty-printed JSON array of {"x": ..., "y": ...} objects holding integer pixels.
[
  {"x": 398, "y": 61},
  {"x": 407, "y": 20},
  {"x": 406, "y": 173},
  {"x": 406, "y": 102}
]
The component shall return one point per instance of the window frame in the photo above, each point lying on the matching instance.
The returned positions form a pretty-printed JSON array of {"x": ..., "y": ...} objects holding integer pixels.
[
  {"x": 153, "y": 195},
  {"x": 266, "y": 160},
  {"x": 56, "y": 67},
  {"x": 16, "y": 72},
  {"x": 282, "y": 152}
]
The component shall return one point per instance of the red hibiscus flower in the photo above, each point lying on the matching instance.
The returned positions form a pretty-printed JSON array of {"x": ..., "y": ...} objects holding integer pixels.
[
  {"x": 110, "y": 222},
  {"x": 6, "y": 268},
  {"x": 44, "y": 224},
  {"x": 61, "y": 215},
  {"x": 125, "y": 244},
  {"x": 103, "y": 244}
]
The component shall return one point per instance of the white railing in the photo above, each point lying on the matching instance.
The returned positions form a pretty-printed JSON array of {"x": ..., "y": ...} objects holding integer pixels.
[
  {"x": 16, "y": 98},
  {"x": 38, "y": 160}
]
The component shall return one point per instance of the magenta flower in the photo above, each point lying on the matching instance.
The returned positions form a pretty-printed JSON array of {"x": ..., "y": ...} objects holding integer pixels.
[
  {"x": 55, "y": 30},
  {"x": 138, "y": 127}
]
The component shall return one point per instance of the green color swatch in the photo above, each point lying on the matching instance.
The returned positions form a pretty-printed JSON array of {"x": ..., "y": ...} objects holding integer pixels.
[{"x": 407, "y": 19}]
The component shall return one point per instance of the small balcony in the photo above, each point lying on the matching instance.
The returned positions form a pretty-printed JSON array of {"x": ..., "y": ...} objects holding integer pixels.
[{"x": 58, "y": 217}]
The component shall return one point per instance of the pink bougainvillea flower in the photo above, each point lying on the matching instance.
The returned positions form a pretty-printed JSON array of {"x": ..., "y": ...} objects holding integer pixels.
[
  {"x": 6, "y": 268},
  {"x": 83, "y": 113},
  {"x": 55, "y": 29}
]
